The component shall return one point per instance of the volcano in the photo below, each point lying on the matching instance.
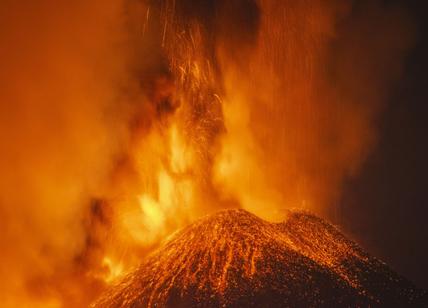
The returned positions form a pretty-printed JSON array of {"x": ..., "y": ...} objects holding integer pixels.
[{"x": 235, "y": 259}]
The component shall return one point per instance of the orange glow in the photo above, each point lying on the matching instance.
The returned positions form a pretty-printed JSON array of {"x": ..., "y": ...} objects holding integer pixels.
[
  {"x": 115, "y": 270},
  {"x": 123, "y": 121}
]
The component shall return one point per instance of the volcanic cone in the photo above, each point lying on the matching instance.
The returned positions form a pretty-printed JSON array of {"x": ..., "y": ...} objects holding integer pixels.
[{"x": 235, "y": 259}]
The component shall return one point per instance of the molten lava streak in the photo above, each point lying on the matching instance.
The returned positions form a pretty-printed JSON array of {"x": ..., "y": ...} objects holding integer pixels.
[
  {"x": 235, "y": 259},
  {"x": 126, "y": 120}
]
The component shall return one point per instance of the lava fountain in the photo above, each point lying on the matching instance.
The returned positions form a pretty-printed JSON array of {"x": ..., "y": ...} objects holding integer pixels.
[{"x": 123, "y": 121}]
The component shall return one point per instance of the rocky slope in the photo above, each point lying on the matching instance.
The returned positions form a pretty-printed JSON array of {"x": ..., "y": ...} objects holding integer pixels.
[{"x": 235, "y": 259}]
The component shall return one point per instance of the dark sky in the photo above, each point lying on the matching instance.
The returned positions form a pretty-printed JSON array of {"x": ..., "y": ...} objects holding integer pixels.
[{"x": 386, "y": 207}]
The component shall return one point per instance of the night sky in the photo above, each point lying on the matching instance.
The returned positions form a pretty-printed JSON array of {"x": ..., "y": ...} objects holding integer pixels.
[{"x": 385, "y": 207}]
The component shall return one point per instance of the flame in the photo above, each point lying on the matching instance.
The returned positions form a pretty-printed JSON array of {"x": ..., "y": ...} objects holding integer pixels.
[
  {"x": 114, "y": 270},
  {"x": 127, "y": 120}
]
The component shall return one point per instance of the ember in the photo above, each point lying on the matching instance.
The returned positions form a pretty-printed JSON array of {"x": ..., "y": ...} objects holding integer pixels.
[
  {"x": 235, "y": 259},
  {"x": 123, "y": 121}
]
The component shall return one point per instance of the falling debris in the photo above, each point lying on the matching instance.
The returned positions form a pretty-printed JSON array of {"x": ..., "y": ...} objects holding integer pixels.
[{"x": 123, "y": 121}]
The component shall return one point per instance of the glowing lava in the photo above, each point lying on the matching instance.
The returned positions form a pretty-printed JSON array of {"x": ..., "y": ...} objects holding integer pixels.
[{"x": 235, "y": 259}]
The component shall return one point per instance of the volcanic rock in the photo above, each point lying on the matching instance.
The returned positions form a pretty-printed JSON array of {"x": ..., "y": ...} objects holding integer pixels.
[{"x": 235, "y": 259}]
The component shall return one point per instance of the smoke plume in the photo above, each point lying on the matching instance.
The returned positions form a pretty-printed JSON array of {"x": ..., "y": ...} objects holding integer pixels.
[
  {"x": 301, "y": 111},
  {"x": 124, "y": 120}
]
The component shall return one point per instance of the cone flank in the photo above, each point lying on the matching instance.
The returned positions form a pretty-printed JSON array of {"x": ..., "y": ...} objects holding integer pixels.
[{"x": 235, "y": 259}]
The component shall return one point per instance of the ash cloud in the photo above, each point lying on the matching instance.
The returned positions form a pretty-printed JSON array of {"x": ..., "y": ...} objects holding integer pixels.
[
  {"x": 283, "y": 107},
  {"x": 64, "y": 119},
  {"x": 302, "y": 113}
]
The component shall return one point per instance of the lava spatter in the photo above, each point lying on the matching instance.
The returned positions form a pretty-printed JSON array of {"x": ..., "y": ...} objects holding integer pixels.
[{"x": 235, "y": 259}]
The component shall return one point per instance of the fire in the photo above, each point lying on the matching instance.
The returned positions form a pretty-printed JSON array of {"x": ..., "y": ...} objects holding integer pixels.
[
  {"x": 127, "y": 120},
  {"x": 239, "y": 167},
  {"x": 114, "y": 270}
]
